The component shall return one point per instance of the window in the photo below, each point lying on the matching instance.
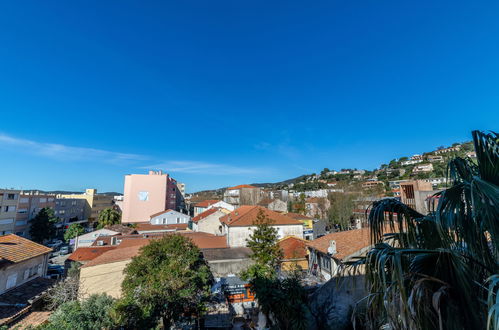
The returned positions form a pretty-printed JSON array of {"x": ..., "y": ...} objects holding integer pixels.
[
  {"x": 21, "y": 223},
  {"x": 143, "y": 195},
  {"x": 73, "y": 203},
  {"x": 164, "y": 221},
  {"x": 43, "y": 200},
  {"x": 9, "y": 208},
  {"x": 51, "y": 199},
  {"x": 178, "y": 220},
  {"x": 62, "y": 211},
  {"x": 6, "y": 221},
  {"x": 11, "y": 281},
  {"x": 22, "y": 211},
  {"x": 11, "y": 196},
  {"x": 24, "y": 200}
]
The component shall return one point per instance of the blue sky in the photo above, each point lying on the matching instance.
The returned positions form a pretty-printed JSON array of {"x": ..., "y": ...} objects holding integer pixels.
[{"x": 220, "y": 93}]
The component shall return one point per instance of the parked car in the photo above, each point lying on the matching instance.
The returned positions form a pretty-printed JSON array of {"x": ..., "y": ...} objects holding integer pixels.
[
  {"x": 55, "y": 271},
  {"x": 54, "y": 243},
  {"x": 64, "y": 250}
]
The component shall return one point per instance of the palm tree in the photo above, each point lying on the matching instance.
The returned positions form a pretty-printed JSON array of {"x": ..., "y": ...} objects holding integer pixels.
[
  {"x": 431, "y": 271},
  {"x": 109, "y": 217}
]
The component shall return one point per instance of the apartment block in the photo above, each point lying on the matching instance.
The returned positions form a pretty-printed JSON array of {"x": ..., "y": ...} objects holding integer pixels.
[
  {"x": 8, "y": 209},
  {"x": 28, "y": 207},
  {"x": 417, "y": 195},
  {"x": 95, "y": 203},
  {"x": 244, "y": 194},
  {"x": 71, "y": 210},
  {"x": 147, "y": 194}
]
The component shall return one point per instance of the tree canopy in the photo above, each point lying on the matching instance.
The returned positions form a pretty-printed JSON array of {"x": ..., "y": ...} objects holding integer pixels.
[
  {"x": 108, "y": 217},
  {"x": 168, "y": 280},
  {"x": 43, "y": 225},
  {"x": 74, "y": 229}
]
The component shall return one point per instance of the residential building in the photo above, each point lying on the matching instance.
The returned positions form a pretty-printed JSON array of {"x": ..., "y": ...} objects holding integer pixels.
[
  {"x": 88, "y": 238},
  {"x": 294, "y": 252},
  {"x": 239, "y": 224},
  {"x": 209, "y": 221},
  {"x": 395, "y": 184},
  {"x": 146, "y": 194},
  {"x": 104, "y": 274},
  {"x": 423, "y": 168},
  {"x": 308, "y": 224},
  {"x": 95, "y": 203},
  {"x": 21, "y": 261},
  {"x": 317, "y": 207},
  {"x": 281, "y": 194},
  {"x": 327, "y": 253},
  {"x": 435, "y": 159},
  {"x": 71, "y": 210},
  {"x": 227, "y": 261},
  {"x": 8, "y": 208},
  {"x": 181, "y": 188},
  {"x": 411, "y": 162},
  {"x": 372, "y": 184},
  {"x": 28, "y": 207},
  {"x": 244, "y": 194},
  {"x": 471, "y": 154},
  {"x": 148, "y": 228},
  {"x": 211, "y": 203},
  {"x": 435, "y": 181},
  {"x": 169, "y": 217},
  {"x": 274, "y": 204},
  {"x": 415, "y": 194},
  {"x": 447, "y": 150},
  {"x": 416, "y": 157}
]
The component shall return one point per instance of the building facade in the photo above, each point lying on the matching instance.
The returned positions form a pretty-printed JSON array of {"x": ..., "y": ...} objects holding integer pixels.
[
  {"x": 95, "y": 203},
  {"x": 8, "y": 210},
  {"x": 169, "y": 217},
  {"x": 243, "y": 195},
  {"x": 28, "y": 207},
  {"x": 146, "y": 194}
]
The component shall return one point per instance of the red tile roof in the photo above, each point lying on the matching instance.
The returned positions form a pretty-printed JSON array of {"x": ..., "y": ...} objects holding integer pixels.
[
  {"x": 246, "y": 215},
  {"x": 130, "y": 245},
  {"x": 206, "y": 203},
  {"x": 205, "y": 214},
  {"x": 347, "y": 242},
  {"x": 293, "y": 248},
  {"x": 15, "y": 249},
  {"x": 160, "y": 213},
  {"x": 298, "y": 216},
  {"x": 151, "y": 227},
  {"x": 89, "y": 253},
  {"x": 241, "y": 186}
]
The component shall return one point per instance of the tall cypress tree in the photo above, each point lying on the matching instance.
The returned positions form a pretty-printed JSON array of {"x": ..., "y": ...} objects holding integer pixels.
[{"x": 263, "y": 243}]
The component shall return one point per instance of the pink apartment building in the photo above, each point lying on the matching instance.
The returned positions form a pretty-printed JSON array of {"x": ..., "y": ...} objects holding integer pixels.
[{"x": 146, "y": 194}]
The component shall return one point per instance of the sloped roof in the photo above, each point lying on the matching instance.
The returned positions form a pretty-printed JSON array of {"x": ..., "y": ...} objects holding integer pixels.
[
  {"x": 241, "y": 186},
  {"x": 206, "y": 203},
  {"x": 15, "y": 249},
  {"x": 121, "y": 229},
  {"x": 227, "y": 253},
  {"x": 347, "y": 242},
  {"x": 160, "y": 213},
  {"x": 130, "y": 245},
  {"x": 293, "y": 247},
  {"x": 246, "y": 215},
  {"x": 298, "y": 216},
  {"x": 89, "y": 253},
  {"x": 150, "y": 227},
  {"x": 205, "y": 214}
]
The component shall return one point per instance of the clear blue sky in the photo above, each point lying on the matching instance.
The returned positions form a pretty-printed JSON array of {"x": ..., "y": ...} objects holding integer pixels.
[{"x": 221, "y": 93}]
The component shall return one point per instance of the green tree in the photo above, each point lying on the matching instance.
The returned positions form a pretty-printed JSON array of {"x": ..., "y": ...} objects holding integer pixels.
[
  {"x": 263, "y": 243},
  {"x": 432, "y": 273},
  {"x": 299, "y": 205},
  {"x": 168, "y": 280},
  {"x": 43, "y": 225},
  {"x": 91, "y": 314},
  {"x": 74, "y": 229},
  {"x": 108, "y": 217},
  {"x": 342, "y": 207}
]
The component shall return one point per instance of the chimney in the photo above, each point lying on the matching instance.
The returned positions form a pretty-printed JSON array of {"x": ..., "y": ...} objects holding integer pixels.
[{"x": 332, "y": 247}]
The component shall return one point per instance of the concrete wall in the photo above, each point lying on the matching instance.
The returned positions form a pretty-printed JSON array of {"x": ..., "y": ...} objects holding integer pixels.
[
  {"x": 211, "y": 224},
  {"x": 89, "y": 238},
  {"x": 106, "y": 278},
  {"x": 278, "y": 206},
  {"x": 249, "y": 196},
  {"x": 237, "y": 236},
  {"x": 170, "y": 218},
  {"x": 7, "y": 219},
  {"x": 223, "y": 268},
  {"x": 38, "y": 263},
  {"x": 144, "y": 195}
]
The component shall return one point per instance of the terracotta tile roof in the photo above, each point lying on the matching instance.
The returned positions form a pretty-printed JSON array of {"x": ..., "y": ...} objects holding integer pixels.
[
  {"x": 227, "y": 253},
  {"x": 347, "y": 242},
  {"x": 298, "y": 216},
  {"x": 205, "y": 214},
  {"x": 115, "y": 255},
  {"x": 265, "y": 202},
  {"x": 149, "y": 227},
  {"x": 15, "y": 249},
  {"x": 130, "y": 245},
  {"x": 89, "y": 253},
  {"x": 246, "y": 215},
  {"x": 241, "y": 186},
  {"x": 293, "y": 248},
  {"x": 160, "y": 213},
  {"x": 206, "y": 203},
  {"x": 119, "y": 228}
]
